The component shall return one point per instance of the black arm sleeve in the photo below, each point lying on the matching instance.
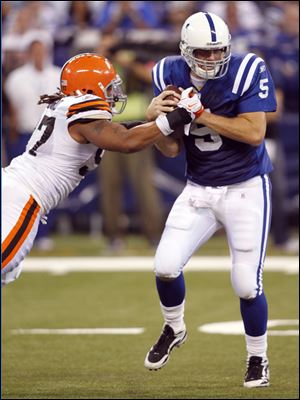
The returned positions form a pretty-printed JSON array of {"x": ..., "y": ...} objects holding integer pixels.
[{"x": 178, "y": 117}]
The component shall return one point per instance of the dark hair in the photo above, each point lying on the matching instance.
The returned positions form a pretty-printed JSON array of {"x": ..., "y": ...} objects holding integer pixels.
[{"x": 51, "y": 98}]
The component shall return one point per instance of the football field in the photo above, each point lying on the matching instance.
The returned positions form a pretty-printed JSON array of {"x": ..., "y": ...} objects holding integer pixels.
[{"x": 84, "y": 335}]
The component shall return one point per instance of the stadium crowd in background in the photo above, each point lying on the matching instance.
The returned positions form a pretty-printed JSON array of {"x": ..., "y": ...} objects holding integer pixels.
[{"x": 134, "y": 35}]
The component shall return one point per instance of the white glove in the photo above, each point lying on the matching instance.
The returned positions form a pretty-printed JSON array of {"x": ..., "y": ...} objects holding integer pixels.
[{"x": 191, "y": 102}]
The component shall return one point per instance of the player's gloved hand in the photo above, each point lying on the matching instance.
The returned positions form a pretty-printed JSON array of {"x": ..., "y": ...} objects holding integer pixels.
[{"x": 191, "y": 102}]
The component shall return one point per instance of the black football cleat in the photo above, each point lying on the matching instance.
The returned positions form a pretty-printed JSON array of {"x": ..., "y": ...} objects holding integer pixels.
[{"x": 159, "y": 354}]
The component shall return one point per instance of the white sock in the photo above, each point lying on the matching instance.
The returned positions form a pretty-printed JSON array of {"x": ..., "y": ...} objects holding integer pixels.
[
  {"x": 257, "y": 345},
  {"x": 174, "y": 316}
]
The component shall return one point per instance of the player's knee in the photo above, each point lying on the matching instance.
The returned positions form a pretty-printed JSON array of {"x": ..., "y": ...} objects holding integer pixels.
[
  {"x": 167, "y": 266},
  {"x": 243, "y": 279},
  {"x": 11, "y": 275},
  {"x": 246, "y": 293},
  {"x": 8, "y": 278}
]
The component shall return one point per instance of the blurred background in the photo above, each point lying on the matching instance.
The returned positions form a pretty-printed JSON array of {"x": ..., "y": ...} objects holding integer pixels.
[{"x": 132, "y": 194}]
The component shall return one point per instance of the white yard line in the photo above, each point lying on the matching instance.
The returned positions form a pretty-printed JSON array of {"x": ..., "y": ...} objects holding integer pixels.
[
  {"x": 80, "y": 331},
  {"x": 221, "y": 328},
  {"x": 63, "y": 265},
  {"x": 237, "y": 327}
]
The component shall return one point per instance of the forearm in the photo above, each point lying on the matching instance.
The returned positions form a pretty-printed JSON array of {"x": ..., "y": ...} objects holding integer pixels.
[
  {"x": 130, "y": 140},
  {"x": 240, "y": 128},
  {"x": 141, "y": 136},
  {"x": 116, "y": 137},
  {"x": 163, "y": 126},
  {"x": 169, "y": 146}
]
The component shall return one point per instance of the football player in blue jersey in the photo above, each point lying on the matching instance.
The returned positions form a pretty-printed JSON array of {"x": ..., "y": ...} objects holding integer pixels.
[{"x": 227, "y": 181}]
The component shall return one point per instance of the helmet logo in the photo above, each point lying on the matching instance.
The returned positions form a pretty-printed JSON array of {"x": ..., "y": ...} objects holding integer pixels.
[{"x": 213, "y": 43}]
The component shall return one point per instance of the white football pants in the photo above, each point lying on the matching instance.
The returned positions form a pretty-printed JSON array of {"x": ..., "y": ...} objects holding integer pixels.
[
  {"x": 243, "y": 209},
  {"x": 20, "y": 219}
]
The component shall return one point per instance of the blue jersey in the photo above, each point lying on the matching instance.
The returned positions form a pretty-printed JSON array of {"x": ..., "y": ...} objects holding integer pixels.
[{"x": 212, "y": 159}]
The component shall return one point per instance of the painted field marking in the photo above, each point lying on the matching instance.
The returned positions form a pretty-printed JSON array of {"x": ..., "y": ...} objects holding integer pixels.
[
  {"x": 223, "y": 328},
  {"x": 63, "y": 265},
  {"x": 80, "y": 331},
  {"x": 237, "y": 327}
]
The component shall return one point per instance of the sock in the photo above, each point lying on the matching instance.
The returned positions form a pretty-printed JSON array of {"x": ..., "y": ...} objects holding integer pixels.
[
  {"x": 255, "y": 315},
  {"x": 171, "y": 292},
  {"x": 174, "y": 316},
  {"x": 172, "y": 295},
  {"x": 257, "y": 346}
]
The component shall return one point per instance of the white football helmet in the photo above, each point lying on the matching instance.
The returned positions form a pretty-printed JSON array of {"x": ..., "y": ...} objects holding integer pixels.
[{"x": 205, "y": 31}]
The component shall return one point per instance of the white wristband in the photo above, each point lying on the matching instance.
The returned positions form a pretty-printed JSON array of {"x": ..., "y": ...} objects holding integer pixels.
[{"x": 163, "y": 125}]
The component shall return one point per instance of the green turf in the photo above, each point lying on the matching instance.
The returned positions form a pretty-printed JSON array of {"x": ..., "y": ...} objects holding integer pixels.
[
  {"x": 135, "y": 245},
  {"x": 111, "y": 367}
]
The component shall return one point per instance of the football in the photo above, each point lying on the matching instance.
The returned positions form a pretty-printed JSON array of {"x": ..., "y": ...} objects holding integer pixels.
[{"x": 174, "y": 88}]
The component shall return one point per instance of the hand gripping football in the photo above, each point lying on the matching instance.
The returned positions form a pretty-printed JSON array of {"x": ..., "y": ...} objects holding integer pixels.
[
  {"x": 179, "y": 132},
  {"x": 174, "y": 88}
]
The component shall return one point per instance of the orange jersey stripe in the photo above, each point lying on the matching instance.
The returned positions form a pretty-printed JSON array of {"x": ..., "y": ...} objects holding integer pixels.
[
  {"x": 15, "y": 229},
  {"x": 20, "y": 231}
]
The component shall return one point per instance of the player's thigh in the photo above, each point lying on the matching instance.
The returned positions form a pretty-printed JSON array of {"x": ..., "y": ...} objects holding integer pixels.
[
  {"x": 247, "y": 222},
  {"x": 20, "y": 219},
  {"x": 187, "y": 228}
]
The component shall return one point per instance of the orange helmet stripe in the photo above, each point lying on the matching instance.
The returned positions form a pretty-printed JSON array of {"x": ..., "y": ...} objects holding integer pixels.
[{"x": 89, "y": 103}]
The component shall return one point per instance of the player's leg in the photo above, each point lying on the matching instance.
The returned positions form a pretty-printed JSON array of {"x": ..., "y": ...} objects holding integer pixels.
[
  {"x": 247, "y": 222},
  {"x": 20, "y": 219},
  {"x": 187, "y": 228}
]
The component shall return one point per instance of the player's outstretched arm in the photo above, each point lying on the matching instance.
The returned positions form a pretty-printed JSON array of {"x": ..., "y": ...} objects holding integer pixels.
[
  {"x": 169, "y": 146},
  {"x": 115, "y": 137}
]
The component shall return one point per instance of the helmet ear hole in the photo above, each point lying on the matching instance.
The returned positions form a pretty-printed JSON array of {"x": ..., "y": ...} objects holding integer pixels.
[{"x": 89, "y": 91}]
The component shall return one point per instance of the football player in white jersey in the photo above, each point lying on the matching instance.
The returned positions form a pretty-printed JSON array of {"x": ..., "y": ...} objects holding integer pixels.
[
  {"x": 227, "y": 182},
  {"x": 69, "y": 141}
]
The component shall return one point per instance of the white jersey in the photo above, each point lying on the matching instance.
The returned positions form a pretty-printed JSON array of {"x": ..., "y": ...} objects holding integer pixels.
[{"x": 54, "y": 163}]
